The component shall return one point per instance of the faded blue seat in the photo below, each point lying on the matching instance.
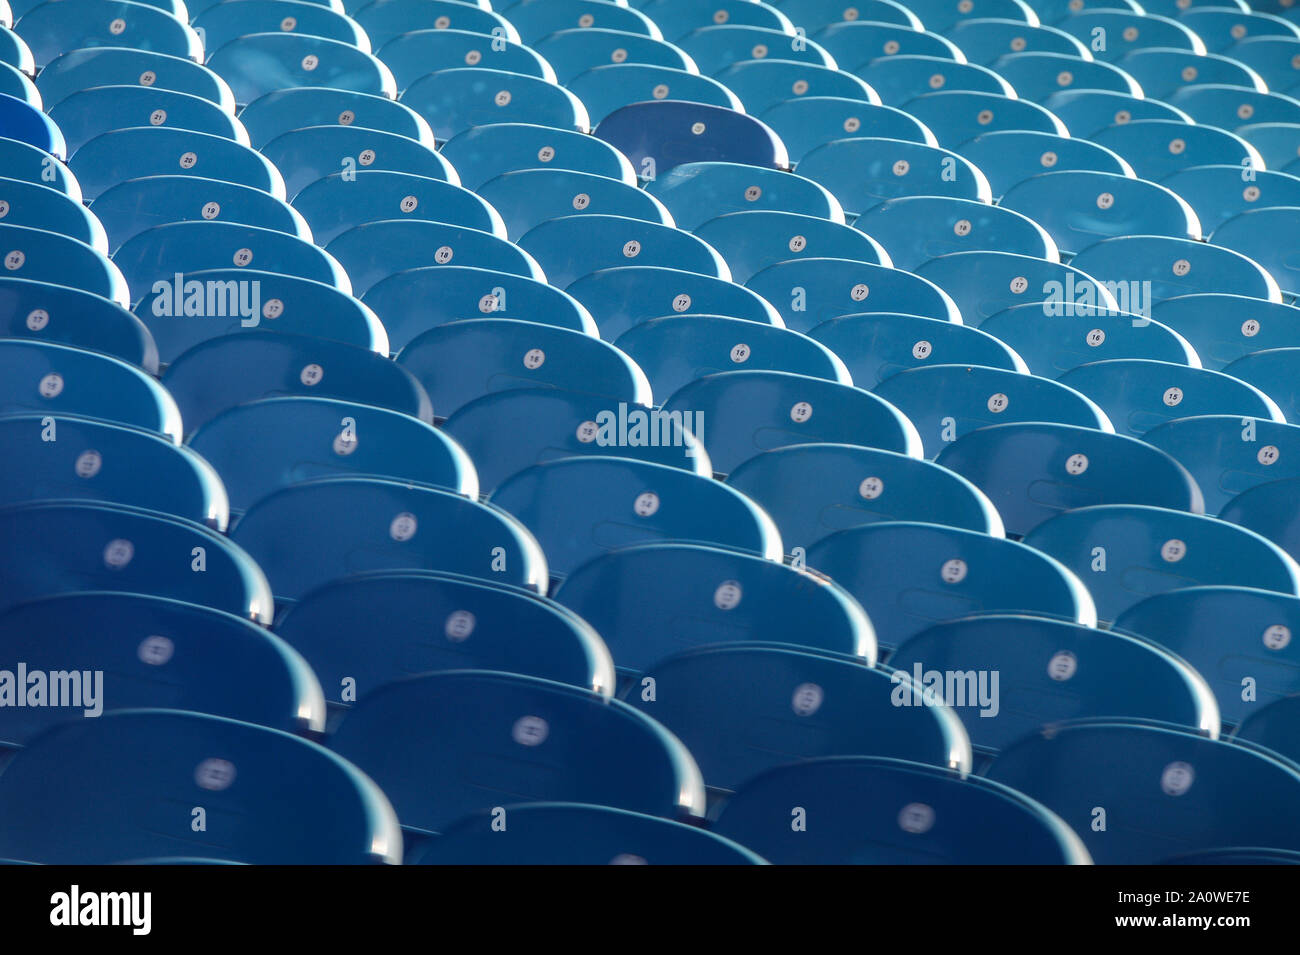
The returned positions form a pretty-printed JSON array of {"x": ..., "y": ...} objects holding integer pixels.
[
  {"x": 535, "y": 19},
  {"x": 482, "y": 153},
  {"x": 986, "y": 39},
  {"x": 1231, "y": 107},
  {"x": 14, "y": 82},
  {"x": 93, "y": 66},
  {"x": 89, "y": 113},
  {"x": 283, "y": 110},
  {"x": 30, "y": 163},
  {"x": 751, "y": 241},
  {"x": 1124, "y": 31},
  {"x": 65, "y": 316},
  {"x": 1054, "y": 11},
  {"x": 313, "y": 152},
  {"x": 956, "y": 116},
  {"x": 528, "y": 197},
  {"x": 1273, "y": 371},
  {"x": 384, "y": 19},
  {"x": 1165, "y": 267},
  {"x": 1267, "y": 236},
  {"x": 862, "y": 173},
  {"x": 1278, "y": 143},
  {"x": 1086, "y": 112},
  {"x": 714, "y": 47},
  {"x": 1272, "y": 58},
  {"x": 1162, "y": 71},
  {"x": 915, "y": 229},
  {"x": 38, "y": 206},
  {"x": 607, "y": 89},
  {"x": 15, "y": 52},
  {"x": 814, "y": 14},
  {"x": 576, "y": 50},
  {"x": 983, "y": 283},
  {"x": 897, "y": 78},
  {"x": 806, "y": 122},
  {"x": 42, "y": 256},
  {"x": 1221, "y": 30},
  {"x": 1270, "y": 510},
  {"x": 659, "y": 134},
  {"x": 1219, "y": 192},
  {"x": 677, "y": 18},
  {"x": 699, "y": 191},
  {"x": 414, "y": 54},
  {"x": 1274, "y": 728},
  {"x": 762, "y": 84},
  {"x": 1037, "y": 75},
  {"x": 1160, "y": 148},
  {"x": 856, "y": 43},
  {"x": 262, "y": 63},
  {"x": 223, "y": 22},
  {"x": 1223, "y": 327},
  {"x": 941, "y": 16}
]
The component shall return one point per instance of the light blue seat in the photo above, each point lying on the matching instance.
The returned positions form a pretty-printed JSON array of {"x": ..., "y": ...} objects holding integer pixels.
[
  {"x": 1038, "y": 75},
  {"x": 1159, "y": 148},
  {"x": 1219, "y": 192},
  {"x": 507, "y": 431},
  {"x": 1223, "y": 328},
  {"x": 383, "y": 525},
  {"x": 88, "y": 113},
  {"x": 1222, "y": 29},
  {"x": 984, "y": 40},
  {"x": 1054, "y": 11},
  {"x": 586, "y": 748},
  {"x": 38, "y": 206},
  {"x": 368, "y": 630},
  {"x": 877, "y": 345},
  {"x": 696, "y": 192},
  {"x": 1085, "y": 112},
  {"x": 60, "y": 547},
  {"x": 1032, "y": 471},
  {"x": 1055, "y": 336},
  {"x": 134, "y": 205},
  {"x": 1228, "y": 454},
  {"x": 459, "y": 361},
  {"x": 1278, "y": 143},
  {"x": 1231, "y": 107},
  {"x": 1123, "y": 31},
  {"x": 279, "y": 112},
  {"x": 1272, "y": 728},
  {"x": 751, "y": 241},
  {"x": 812, "y": 15},
  {"x": 574, "y": 51},
  {"x": 1211, "y": 793},
  {"x": 376, "y": 250},
  {"x": 535, "y": 19},
  {"x": 1166, "y": 267},
  {"x": 897, "y": 78},
  {"x": 1078, "y": 208},
  {"x": 1269, "y": 510},
  {"x": 984, "y": 283},
  {"x": 482, "y": 153},
  {"x": 1049, "y": 671},
  {"x": 569, "y": 247},
  {"x": 313, "y": 152},
  {"x": 412, "y": 55},
  {"x": 14, "y": 82},
  {"x": 1009, "y": 157},
  {"x": 713, "y": 48},
  {"x": 83, "y": 69},
  {"x": 1138, "y": 394},
  {"x": 137, "y": 151},
  {"x": 54, "y": 28},
  {"x": 677, "y": 18},
  {"x": 806, "y": 122},
  {"x": 210, "y": 303},
  {"x": 218, "y": 374},
  {"x": 295, "y": 802},
  {"x": 416, "y": 300},
  {"x": 856, "y": 43},
  {"x": 1271, "y": 57},
  {"x": 808, "y": 292},
  {"x": 862, "y": 173},
  {"x": 29, "y": 163},
  {"x": 268, "y": 444},
  {"x": 915, "y": 229},
  {"x": 763, "y": 84},
  {"x": 814, "y": 490},
  {"x": 1268, "y": 236},
  {"x": 158, "y": 254},
  {"x": 60, "y": 315},
  {"x": 557, "y": 833},
  {"x": 38, "y": 255},
  {"x": 733, "y": 705},
  {"x": 747, "y": 412},
  {"x": 223, "y": 22},
  {"x": 1162, "y": 71},
  {"x": 1237, "y": 637},
  {"x": 152, "y": 651},
  {"x": 1125, "y": 553},
  {"x": 709, "y": 596},
  {"x": 579, "y": 508},
  {"x": 606, "y": 89},
  {"x": 1172, "y": 8},
  {"x": 945, "y": 402},
  {"x": 956, "y": 116},
  {"x": 75, "y": 458},
  {"x": 15, "y": 52},
  {"x": 1273, "y": 371},
  {"x": 384, "y": 19},
  {"x": 659, "y": 134},
  {"x": 345, "y": 200},
  {"x": 942, "y": 16},
  {"x": 676, "y": 350},
  {"x": 528, "y": 197},
  {"x": 852, "y": 807},
  {"x": 621, "y": 297}
]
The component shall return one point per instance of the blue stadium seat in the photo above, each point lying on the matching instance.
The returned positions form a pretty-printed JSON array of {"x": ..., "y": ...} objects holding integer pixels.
[
  {"x": 416, "y": 300},
  {"x": 1054, "y": 11},
  {"x": 1122, "y": 31},
  {"x": 543, "y": 741},
  {"x": 915, "y": 229},
  {"x": 384, "y": 19},
  {"x": 1231, "y": 107},
  {"x": 808, "y": 292},
  {"x": 1269, "y": 510},
  {"x": 66, "y": 316},
  {"x": 621, "y": 297},
  {"x": 138, "y": 151},
  {"x": 83, "y": 69},
  {"x": 677, "y": 18},
  {"x": 223, "y": 22},
  {"x": 412, "y": 55},
  {"x": 941, "y": 15},
  {"x": 1212, "y": 794},
  {"x": 70, "y": 457},
  {"x": 751, "y": 241},
  {"x": 574, "y": 51},
  {"x": 984, "y": 283},
  {"x": 574, "y": 834},
  {"x": 1138, "y": 394},
  {"x": 528, "y": 197},
  {"x": 345, "y": 200},
  {"x": 1032, "y": 471},
  {"x": 676, "y": 350},
  {"x": 984, "y": 40},
  {"x": 534, "y": 19},
  {"x": 763, "y": 84},
  {"x": 266, "y": 445},
  {"x": 1272, "y": 58},
  {"x": 270, "y": 364},
  {"x": 15, "y": 52},
  {"x": 1009, "y": 157},
  {"x": 1278, "y": 143},
  {"x": 14, "y": 83},
  {"x": 1267, "y": 236},
  {"x": 862, "y": 173},
  {"x": 383, "y": 524},
  {"x": 877, "y": 345},
  {"x": 1162, "y": 71},
  {"x": 372, "y": 629},
  {"x": 1239, "y": 638},
  {"x": 876, "y": 811},
  {"x": 896, "y": 79},
  {"x": 746, "y": 412},
  {"x": 77, "y": 382},
  {"x": 1045, "y": 675},
  {"x": 1273, "y": 371},
  {"x": 1086, "y": 112},
  {"x": 813, "y": 490},
  {"x": 854, "y": 44},
  {"x": 1221, "y": 29},
  {"x": 376, "y": 250},
  {"x": 1159, "y": 148},
  {"x": 606, "y": 89},
  {"x": 41, "y": 256},
  {"x": 482, "y": 153},
  {"x": 707, "y": 596},
  {"x": 1038, "y": 75},
  {"x": 59, "y": 547},
  {"x": 329, "y": 814},
  {"x": 87, "y": 114},
  {"x": 1125, "y": 553},
  {"x": 508, "y": 431},
  {"x": 283, "y": 110},
  {"x": 1165, "y": 267},
  {"x": 1219, "y": 192},
  {"x": 56, "y": 27},
  {"x": 29, "y": 163},
  {"x": 814, "y": 14},
  {"x": 38, "y": 206},
  {"x": 459, "y": 361},
  {"x": 945, "y": 402},
  {"x": 956, "y": 116},
  {"x": 733, "y": 705},
  {"x": 713, "y": 48},
  {"x": 1223, "y": 328},
  {"x": 1273, "y": 728},
  {"x": 806, "y": 122},
  {"x": 313, "y": 152},
  {"x": 699, "y": 191},
  {"x": 570, "y": 247},
  {"x": 1078, "y": 208},
  {"x": 659, "y": 134},
  {"x": 262, "y": 63}
]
